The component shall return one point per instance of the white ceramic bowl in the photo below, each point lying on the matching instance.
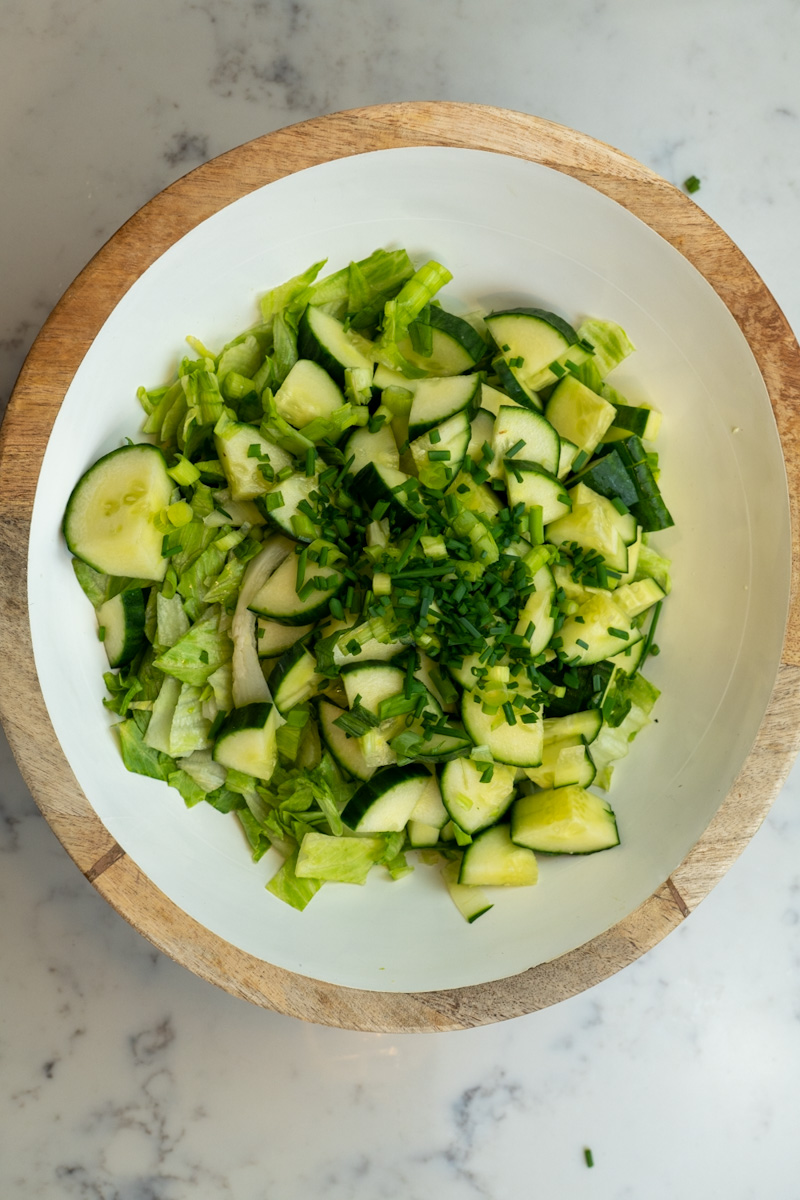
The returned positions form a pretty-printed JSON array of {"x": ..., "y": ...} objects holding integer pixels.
[{"x": 510, "y": 231}]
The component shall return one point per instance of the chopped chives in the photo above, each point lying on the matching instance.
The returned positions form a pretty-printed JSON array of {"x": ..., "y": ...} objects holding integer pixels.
[
  {"x": 580, "y": 458},
  {"x": 301, "y": 569},
  {"x": 434, "y": 437},
  {"x": 583, "y": 645},
  {"x": 273, "y": 500},
  {"x": 336, "y": 608},
  {"x": 515, "y": 449},
  {"x": 439, "y": 455},
  {"x": 588, "y": 1157},
  {"x": 311, "y": 460},
  {"x": 536, "y": 524},
  {"x": 510, "y": 715},
  {"x": 621, "y": 508},
  {"x": 618, "y": 633}
]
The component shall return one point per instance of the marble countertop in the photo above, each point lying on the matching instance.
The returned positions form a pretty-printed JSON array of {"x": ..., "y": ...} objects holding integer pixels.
[{"x": 124, "y": 1077}]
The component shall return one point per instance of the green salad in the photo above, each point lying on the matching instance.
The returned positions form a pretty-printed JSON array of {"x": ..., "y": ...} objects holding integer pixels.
[{"x": 381, "y": 580}]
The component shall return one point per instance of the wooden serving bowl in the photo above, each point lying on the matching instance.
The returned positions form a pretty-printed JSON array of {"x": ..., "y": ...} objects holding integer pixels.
[{"x": 42, "y": 385}]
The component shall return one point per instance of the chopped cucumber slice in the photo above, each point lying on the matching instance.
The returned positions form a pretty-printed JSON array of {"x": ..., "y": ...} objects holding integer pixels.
[
  {"x": 455, "y": 346},
  {"x": 437, "y": 399},
  {"x": 250, "y": 462},
  {"x": 247, "y": 741},
  {"x": 273, "y": 638},
  {"x": 564, "y": 820},
  {"x": 110, "y": 519},
  {"x": 294, "y": 679},
  {"x": 280, "y": 600},
  {"x": 472, "y": 803},
  {"x": 519, "y": 745},
  {"x": 325, "y": 340},
  {"x": 121, "y": 620},
  {"x": 385, "y": 803},
  {"x": 306, "y": 393},
  {"x": 528, "y": 435},
  {"x": 493, "y": 860}
]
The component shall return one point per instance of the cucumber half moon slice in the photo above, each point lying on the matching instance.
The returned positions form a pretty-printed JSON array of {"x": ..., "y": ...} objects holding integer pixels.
[{"x": 110, "y": 517}]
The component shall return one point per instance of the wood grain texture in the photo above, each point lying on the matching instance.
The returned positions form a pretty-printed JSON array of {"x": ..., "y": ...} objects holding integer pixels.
[{"x": 42, "y": 384}]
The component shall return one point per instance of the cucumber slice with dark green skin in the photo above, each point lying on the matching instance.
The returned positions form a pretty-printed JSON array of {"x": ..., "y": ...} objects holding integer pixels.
[
  {"x": 375, "y": 484},
  {"x": 530, "y": 340},
  {"x": 345, "y": 750},
  {"x": 323, "y": 339},
  {"x": 385, "y": 803},
  {"x": 380, "y": 447},
  {"x": 294, "y": 679},
  {"x": 628, "y": 659},
  {"x": 537, "y": 612},
  {"x": 471, "y": 803},
  {"x": 279, "y": 600},
  {"x": 272, "y": 638},
  {"x": 442, "y": 747},
  {"x": 286, "y": 516},
  {"x": 649, "y": 509},
  {"x": 243, "y": 451},
  {"x": 540, "y": 441},
  {"x": 246, "y": 741},
  {"x": 373, "y": 681},
  {"x": 529, "y": 484},
  {"x": 121, "y": 620},
  {"x": 585, "y": 724},
  {"x": 493, "y": 860},
  {"x": 455, "y": 346},
  {"x": 608, "y": 476},
  {"x": 437, "y": 399},
  {"x": 110, "y": 517},
  {"x": 452, "y": 438},
  {"x": 511, "y": 385},
  {"x": 306, "y": 393},
  {"x": 430, "y": 810},
  {"x": 565, "y": 820},
  {"x": 643, "y": 422},
  {"x": 518, "y": 745}
]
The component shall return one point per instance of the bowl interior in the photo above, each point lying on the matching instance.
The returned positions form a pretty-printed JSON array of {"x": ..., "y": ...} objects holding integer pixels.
[{"x": 510, "y": 231}]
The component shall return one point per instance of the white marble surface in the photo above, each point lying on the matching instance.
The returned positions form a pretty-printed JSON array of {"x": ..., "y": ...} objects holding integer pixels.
[{"x": 122, "y": 1076}]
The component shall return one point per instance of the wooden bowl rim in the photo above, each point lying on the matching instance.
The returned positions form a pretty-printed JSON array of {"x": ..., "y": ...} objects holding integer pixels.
[{"x": 42, "y": 384}]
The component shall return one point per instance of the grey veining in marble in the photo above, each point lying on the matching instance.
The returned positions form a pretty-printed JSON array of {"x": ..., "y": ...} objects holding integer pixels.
[{"x": 122, "y": 1076}]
